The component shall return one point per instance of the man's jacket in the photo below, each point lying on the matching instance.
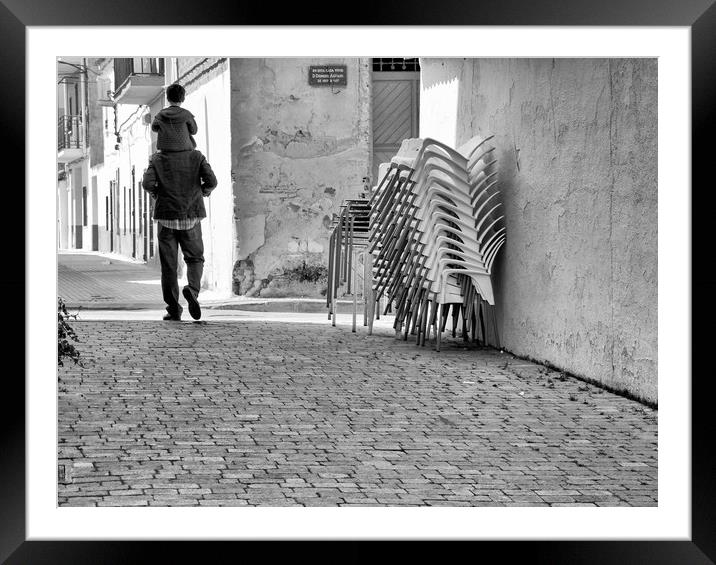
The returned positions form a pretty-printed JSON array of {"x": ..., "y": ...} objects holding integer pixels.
[{"x": 179, "y": 180}]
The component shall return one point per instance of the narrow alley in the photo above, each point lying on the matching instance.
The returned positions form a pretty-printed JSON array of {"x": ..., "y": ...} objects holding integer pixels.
[{"x": 280, "y": 408}]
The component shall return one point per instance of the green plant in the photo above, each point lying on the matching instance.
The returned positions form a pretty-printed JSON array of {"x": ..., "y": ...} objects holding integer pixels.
[
  {"x": 308, "y": 273},
  {"x": 65, "y": 334}
]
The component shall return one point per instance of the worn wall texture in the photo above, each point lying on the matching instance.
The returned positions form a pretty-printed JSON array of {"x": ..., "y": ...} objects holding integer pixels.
[
  {"x": 297, "y": 152},
  {"x": 576, "y": 283}
]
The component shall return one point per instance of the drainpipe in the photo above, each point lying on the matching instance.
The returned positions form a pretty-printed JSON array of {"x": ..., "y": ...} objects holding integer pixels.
[
  {"x": 116, "y": 130},
  {"x": 85, "y": 105}
]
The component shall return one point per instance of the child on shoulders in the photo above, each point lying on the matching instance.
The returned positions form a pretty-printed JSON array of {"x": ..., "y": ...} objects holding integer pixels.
[{"x": 175, "y": 126}]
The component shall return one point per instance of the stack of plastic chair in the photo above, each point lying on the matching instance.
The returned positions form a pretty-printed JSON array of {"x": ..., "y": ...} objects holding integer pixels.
[
  {"x": 390, "y": 212},
  {"x": 347, "y": 250},
  {"x": 435, "y": 229}
]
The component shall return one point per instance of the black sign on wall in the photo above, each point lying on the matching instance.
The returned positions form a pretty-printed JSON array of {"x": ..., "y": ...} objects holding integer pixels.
[{"x": 327, "y": 75}]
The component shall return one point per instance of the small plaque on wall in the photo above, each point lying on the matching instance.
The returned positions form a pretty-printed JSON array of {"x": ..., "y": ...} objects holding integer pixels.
[
  {"x": 327, "y": 75},
  {"x": 282, "y": 190}
]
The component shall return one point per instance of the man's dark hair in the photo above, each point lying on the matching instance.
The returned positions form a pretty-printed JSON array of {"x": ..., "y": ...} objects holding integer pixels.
[{"x": 175, "y": 93}]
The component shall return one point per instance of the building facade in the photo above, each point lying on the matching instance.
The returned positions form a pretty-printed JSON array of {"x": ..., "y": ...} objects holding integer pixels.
[
  {"x": 286, "y": 153},
  {"x": 298, "y": 151},
  {"x": 290, "y": 138},
  {"x": 74, "y": 230},
  {"x": 576, "y": 283}
]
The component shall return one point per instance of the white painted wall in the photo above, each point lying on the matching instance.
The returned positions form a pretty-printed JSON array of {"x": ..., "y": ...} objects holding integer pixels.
[
  {"x": 576, "y": 143},
  {"x": 210, "y": 104},
  {"x": 440, "y": 95},
  {"x": 62, "y": 215}
]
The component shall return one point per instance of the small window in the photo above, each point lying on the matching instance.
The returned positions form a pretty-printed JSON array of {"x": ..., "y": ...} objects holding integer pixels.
[{"x": 396, "y": 64}]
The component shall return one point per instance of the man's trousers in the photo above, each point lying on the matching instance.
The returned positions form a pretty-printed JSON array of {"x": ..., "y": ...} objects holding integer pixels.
[{"x": 192, "y": 247}]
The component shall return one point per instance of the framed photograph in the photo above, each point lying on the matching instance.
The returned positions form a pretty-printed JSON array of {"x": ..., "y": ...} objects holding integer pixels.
[{"x": 585, "y": 439}]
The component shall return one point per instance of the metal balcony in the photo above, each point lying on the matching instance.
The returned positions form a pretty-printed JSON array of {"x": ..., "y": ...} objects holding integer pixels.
[
  {"x": 138, "y": 80},
  {"x": 70, "y": 138}
]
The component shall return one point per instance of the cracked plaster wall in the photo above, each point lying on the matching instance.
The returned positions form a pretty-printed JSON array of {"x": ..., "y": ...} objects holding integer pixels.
[
  {"x": 576, "y": 283},
  {"x": 297, "y": 152}
]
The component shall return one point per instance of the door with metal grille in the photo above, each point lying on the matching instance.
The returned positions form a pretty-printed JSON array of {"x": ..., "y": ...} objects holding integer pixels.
[{"x": 395, "y": 108}]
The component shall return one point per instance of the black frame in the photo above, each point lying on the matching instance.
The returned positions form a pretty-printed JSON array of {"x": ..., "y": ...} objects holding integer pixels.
[{"x": 699, "y": 15}]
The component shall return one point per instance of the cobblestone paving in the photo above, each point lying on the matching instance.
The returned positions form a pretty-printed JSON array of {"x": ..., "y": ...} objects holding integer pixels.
[
  {"x": 237, "y": 413},
  {"x": 91, "y": 281}
]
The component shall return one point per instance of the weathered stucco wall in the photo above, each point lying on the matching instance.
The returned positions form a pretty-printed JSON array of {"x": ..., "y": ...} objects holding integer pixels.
[
  {"x": 297, "y": 152},
  {"x": 576, "y": 283}
]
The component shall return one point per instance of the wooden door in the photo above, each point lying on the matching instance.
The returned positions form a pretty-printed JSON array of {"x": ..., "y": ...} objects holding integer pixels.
[{"x": 395, "y": 113}]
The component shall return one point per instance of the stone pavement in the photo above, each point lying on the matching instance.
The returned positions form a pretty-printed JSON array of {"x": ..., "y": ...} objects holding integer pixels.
[
  {"x": 92, "y": 280},
  {"x": 245, "y": 410},
  {"x": 96, "y": 281}
]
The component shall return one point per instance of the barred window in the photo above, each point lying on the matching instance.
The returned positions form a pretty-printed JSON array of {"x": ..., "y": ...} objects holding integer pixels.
[{"x": 393, "y": 64}]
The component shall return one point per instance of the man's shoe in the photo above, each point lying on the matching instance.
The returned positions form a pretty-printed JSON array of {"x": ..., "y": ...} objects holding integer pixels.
[
  {"x": 194, "y": 308},
  {"x": 172, "y": 317}
]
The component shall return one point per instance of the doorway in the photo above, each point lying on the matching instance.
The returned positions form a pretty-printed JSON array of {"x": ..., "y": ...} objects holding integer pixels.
[{"x": 396, "y": 104}]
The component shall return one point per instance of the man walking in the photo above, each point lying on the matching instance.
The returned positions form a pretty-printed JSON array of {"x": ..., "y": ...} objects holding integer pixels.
[{"x": 179, "y": 180}]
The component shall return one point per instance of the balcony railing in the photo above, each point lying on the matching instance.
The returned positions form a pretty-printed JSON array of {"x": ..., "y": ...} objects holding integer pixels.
[
  {"x": 70, "y": 133},
  {"x": 127, "y": 68}
]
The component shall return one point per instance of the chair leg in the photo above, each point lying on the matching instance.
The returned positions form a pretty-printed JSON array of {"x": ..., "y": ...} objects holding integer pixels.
[
  {"x": 425, "y": 320},
  {"x": 443, "y": 316},
  {"x": 455, "y": 317},
  {"x": 415, "y": 315},
  {"x": 440, "y": 327},
  {"x": 366, "y": 285},
  {"x": 464, "y": 324},
  {"x": 355, "y": 291},
  {"x": 433, "y": 319},
  {"x": 407, "y": 319},
  {"x": 473, "y": 325},
  {"x": 418, "y": 316},
  {"x": 371, "y": 309},
  {"x": 334, "y": 309}
]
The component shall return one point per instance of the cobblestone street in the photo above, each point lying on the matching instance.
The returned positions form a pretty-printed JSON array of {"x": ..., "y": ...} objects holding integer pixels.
[
  {"x": 90, "y": 280},
  {"x": 239, "y": 410}
]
